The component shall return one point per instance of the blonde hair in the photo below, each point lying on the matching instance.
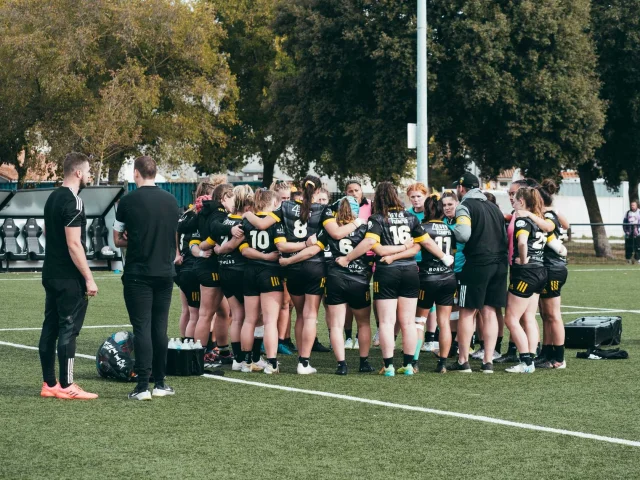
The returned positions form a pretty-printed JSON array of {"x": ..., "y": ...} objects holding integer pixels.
[
  {"x": 263, "y": 198},
  {"x": 345, "y": 214},
  {"x": 218, "y": 179},
  {"x": 244, "y": 197},
  {"x": 204, "y": 188},
  {"x": 532, "y": 200},
  {"x": 279, "y": 185},
  {"x": 418, "y": 187}
]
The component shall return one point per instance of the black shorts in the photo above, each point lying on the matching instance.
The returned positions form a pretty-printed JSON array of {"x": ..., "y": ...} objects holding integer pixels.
[
  {"x": 524, "y": 282},
  {"x": 393, "y": 282},
  {"x": 232, "y": 282},
  {"x": 482, "y": 285},
  {"x": 556, "y": 278},
  {"x": 190, "y": 286},
  {"x": 307, "y": 279},
  {"x": 262, "y": 279},
  {"x": 438, "y": 289},
  {"x": 207, "y": 278},
  {"x": 342, "y": 289}
]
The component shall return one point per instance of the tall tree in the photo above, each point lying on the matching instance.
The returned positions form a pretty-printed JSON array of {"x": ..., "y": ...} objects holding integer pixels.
[
  {"x": 113, "y": 77},
  {"x": 348, "y": 101},
  {"x": 616, "y": 28}
]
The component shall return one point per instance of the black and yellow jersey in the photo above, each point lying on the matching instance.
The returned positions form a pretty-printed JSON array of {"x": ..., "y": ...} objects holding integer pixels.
[
  {"x": 443, "y": 236},
  {"x": 188, "y": 235},
  {"x": 359, "y": 268},
  {"x": 233, "y": 260},
  {"x": 536, "y": 242},
  {"x": 396, "y": 229},
  {"x": 551, "y": 258},
  {"x": 288, "y": 214},
  {"x": 210, "y": 215},
  {"x": 263, "y": 241}
]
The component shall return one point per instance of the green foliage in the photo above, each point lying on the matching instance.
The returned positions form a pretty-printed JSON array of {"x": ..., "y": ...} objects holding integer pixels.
[
  {"x": 516, "y": 84},
  {"x": 348, "y": 101},
  {"x": 616, "y": 28},
  {"x": 113, "y": 77}
]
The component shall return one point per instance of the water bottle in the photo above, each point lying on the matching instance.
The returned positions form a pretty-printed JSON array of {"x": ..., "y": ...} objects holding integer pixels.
[
  {"x": 198, "y": 345},
  {"x": 172, "y": 344},
  {"x": 191, "y": 344},
  {"x": 177, "y": 345},
  {"x": 186, "y": 346}
]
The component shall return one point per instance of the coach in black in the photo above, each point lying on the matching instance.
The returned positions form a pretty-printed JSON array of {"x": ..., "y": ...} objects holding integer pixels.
[
  {"x": 483, "y": 280},
  {"x": 146, "y": 224},
  {"x": 67, "y": 280}
]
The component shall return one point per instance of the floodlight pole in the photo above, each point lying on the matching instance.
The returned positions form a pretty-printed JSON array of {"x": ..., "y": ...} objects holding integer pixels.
[{"x": 422, "y": 131}]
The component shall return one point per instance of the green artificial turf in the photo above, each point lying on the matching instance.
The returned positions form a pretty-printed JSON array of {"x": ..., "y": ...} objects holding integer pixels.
[{"x": 215, "y": 428}]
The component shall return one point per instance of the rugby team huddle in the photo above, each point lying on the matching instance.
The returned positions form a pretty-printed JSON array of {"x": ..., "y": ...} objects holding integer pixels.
[{"x": 247, "y": 258}]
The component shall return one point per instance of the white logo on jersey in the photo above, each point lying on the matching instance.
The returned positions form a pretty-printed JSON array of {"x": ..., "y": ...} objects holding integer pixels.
[
  {"x": 520, "y": 223},
  {"x": 370, "y": 224}
]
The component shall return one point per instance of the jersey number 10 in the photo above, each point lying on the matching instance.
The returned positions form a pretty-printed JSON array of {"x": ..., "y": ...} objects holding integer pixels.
[{"x": 259, "y": 239}]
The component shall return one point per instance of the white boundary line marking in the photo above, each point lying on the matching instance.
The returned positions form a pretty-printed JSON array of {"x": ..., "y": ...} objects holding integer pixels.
[
  {"x": 28, "y": 329},
  {"x": 399, "y": 406}
]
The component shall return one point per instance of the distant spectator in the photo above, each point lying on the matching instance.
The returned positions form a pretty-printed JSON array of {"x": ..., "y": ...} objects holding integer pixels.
[
  {"x": 631, "y": 227},
  {"x": 354, "y": 189}
]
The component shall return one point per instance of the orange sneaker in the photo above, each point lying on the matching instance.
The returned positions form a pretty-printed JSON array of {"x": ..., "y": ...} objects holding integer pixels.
[
  {"x": 74, "y": 392},
  {"x": 49, "y": 392}
]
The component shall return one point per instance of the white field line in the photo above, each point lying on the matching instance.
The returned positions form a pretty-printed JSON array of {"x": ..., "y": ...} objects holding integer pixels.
[
  {"x": 28, "y": 329},
  {"x": 399, "y": 406}
]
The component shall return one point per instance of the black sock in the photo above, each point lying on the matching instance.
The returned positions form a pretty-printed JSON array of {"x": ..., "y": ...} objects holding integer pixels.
[
  {"x": 342, "y": 363},
  {"x": 499, "y": 345},
  {"x": 526, "y": 358},
  {"x": 407, "y": 359},
  {"x": 538, "y": 349},
  {"x": 363, "y": 361},
  {"x": 237, "y": 351},
  {"x": 347, "y": 333},
  {"x": 454, "y": 347},
  {"x": 481, "y": 344},
  {"x": 547, "y": 352},
  {"x": 387, "y": 362},
  {"x": 257, "y": 343},
  {"x": 210, "y": 343},
  {"x": 246, "y": 356},
  {"x": 430, "y": 337},
  {"x": 559, "y": 353},
  {"x": 442, "y": 360},
  {"x": 224, "y": 350},
  {"x": 273, "y": 362},
  {"x": 304, "y": 361},
  {"x": 512, "y": 349}
]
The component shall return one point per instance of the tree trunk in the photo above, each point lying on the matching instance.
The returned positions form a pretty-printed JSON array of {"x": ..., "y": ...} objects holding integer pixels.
[
  {"x": 269, "y": 165},
  {"x": 96, "y": 180},
  {"x": 600, "y": 241},
  {"x": 633, "y": 186}
]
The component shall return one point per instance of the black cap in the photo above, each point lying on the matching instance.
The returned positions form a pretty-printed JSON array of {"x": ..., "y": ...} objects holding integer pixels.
[{"x": 468, "y": 180}]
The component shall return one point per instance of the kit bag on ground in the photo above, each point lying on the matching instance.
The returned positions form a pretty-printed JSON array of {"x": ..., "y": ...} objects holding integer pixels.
[
  {"x": 183, "y": 361},
  {"x": 115, "y": 357},
  {"x": 592, "y": 332}
]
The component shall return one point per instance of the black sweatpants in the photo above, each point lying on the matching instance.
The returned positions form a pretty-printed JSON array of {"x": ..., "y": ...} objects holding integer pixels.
[
  {"x": 64, "y": 310},
  {"x": 148, "y": 300},
  {"x": 631, "y": 247}
]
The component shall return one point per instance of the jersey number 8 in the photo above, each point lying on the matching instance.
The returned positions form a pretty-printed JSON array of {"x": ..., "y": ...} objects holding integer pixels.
[
  {"x": 400, "y": 233},
  {"x": 259, "y": 239},
  {"x": 300, "y": 229}
]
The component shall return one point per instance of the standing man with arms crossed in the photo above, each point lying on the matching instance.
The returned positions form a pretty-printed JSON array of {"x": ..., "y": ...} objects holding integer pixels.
[
  {"x": 483, "y": 279},
  {"x": 67, "y": 280},
  {"x": 146, "y": 224}
]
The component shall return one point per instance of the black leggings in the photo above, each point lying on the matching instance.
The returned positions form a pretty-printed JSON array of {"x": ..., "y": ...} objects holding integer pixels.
[
  {"x": 64, "y": 311},
  {"x": 631, "y": 246},
  {"x": 148, "y": 300}
]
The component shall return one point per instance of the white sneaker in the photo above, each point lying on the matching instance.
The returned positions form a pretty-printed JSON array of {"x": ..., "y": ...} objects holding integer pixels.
[
  {"x": 262, "y": 363},
  {"x": 479, "y": 355},
  {"x": 348, "y": 345},
  {"x": 521, "y": 368},
  {"x": 236, "y": 366},
  {"x": 560, "y": 366},
  {"x": 269, "y": 370},
  {"x": 430, "y": 346},
  {"x": 245, "y": 367},
  {"x": 308, "y": 370},
  {"x": 376, "y": 339},
  {"x": 496, "y": 355},
  {"x": 356, "y": 345}
]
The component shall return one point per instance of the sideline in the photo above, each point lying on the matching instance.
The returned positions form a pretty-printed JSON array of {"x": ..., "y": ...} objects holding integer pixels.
[
  {"x": 399, "y": 406},
  {"x": 29, "y": 329}
]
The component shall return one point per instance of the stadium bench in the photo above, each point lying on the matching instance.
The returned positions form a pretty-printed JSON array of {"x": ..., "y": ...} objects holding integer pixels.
[
  {"x": 9, "y": 233},
  {"x": 32, "y": 232},
  {"x": 98, "y": 237}
]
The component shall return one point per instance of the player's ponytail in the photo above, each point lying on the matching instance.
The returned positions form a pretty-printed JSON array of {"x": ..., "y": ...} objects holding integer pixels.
[
  {"x": 310, "y": 184},
  {"x": 433, "y": 209},
  {"x": 532, "y": 200},
  {"x": 345, "y": 214},
  {"x": 386, "y": 198},
  {"x": 547, "y": 190}
]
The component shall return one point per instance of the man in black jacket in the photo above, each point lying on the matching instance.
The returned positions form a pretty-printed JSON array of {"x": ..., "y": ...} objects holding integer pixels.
[{"x": 146, "y": 224}]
